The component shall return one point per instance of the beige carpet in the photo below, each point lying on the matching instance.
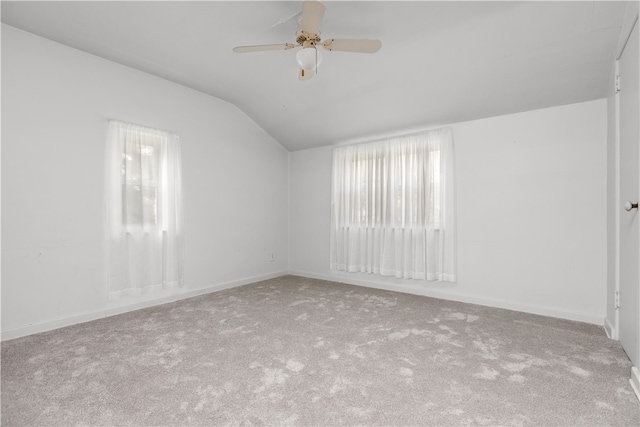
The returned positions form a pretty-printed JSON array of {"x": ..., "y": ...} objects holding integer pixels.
[{"x": 295, "y": 351}]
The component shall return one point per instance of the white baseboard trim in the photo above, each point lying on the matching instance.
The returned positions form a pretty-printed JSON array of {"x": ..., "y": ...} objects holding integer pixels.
[
  {"x": 443, "y": 294},
  {"x": 612, "y": 333},
  {"x": 131, "y": 304},
  {"x": 635, "y": 381}
]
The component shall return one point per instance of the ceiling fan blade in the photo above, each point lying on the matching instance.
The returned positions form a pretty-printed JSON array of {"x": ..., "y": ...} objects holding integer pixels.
[
  {"x": 264, "y": 47},
  {"x": 312, "y": 14},
  {"x": 353, "y": 45},
  {"x": 305, "y": 74}
]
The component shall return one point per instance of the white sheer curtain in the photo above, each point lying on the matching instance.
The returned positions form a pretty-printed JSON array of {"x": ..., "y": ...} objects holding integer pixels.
[
  {"x": 144, "y": 210},
  {"x": 392, "y": 207}
]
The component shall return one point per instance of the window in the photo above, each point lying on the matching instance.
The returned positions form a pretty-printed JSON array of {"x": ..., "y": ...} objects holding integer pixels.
[
  {"x": 144, "y": 209},
  {"x": 405, "y": 194},
  {"x": 140, "y": 181},
  {"x": 390, "y": 215}
]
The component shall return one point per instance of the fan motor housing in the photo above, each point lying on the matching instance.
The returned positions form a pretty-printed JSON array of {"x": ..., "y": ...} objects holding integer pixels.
[{"x": 307, "y": 39}]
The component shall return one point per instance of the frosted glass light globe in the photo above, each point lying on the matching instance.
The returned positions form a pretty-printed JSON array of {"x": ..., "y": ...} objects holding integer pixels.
[{"x": 306, "y": 58}]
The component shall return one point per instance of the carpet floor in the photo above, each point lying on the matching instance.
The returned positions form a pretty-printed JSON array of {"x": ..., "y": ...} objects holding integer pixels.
[{"x": 297, "y": 351}]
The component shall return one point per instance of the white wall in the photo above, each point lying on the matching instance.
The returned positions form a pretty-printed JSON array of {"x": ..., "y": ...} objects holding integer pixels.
[
  {"x": 55, "y": 103},
  {"x": 531, "y": 196},
  {"x": 532, "y": 229}
]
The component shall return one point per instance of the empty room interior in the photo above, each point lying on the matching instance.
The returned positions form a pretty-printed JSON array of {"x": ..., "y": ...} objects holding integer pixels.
[{"x": 320, "y": 213}]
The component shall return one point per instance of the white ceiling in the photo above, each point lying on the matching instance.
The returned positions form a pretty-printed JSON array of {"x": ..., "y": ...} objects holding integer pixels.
[{"x": 440, "y": 62}]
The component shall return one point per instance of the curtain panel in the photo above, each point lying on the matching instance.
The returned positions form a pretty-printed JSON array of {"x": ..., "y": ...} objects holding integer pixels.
[
  {"x": 143, "y": 210},
  {"x": 393, "y": 207}
]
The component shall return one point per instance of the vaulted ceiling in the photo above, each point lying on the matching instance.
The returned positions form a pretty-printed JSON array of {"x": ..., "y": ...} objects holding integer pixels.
[{"x": 440, "y": 62}]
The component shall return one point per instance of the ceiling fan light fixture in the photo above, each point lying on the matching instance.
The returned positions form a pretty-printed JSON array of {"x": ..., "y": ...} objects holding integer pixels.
[
  {"x": 308, "y": 39},
  {"x": 309, "y": 58}
]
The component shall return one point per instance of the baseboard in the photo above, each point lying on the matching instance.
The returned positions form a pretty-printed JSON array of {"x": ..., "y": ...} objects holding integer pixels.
[
  {"x": 635, "y": 381},
  {"x": 610, "y": 330},
  {"x": 443, "y": 294},
  {"x": 130, "y": 304}
]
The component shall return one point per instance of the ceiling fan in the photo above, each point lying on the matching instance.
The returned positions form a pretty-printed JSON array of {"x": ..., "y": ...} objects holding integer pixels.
[{"x": 308, "y": 37}]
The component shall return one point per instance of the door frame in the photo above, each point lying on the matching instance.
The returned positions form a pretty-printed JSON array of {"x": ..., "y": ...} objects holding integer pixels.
[{"x": 630, "y": 21}]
